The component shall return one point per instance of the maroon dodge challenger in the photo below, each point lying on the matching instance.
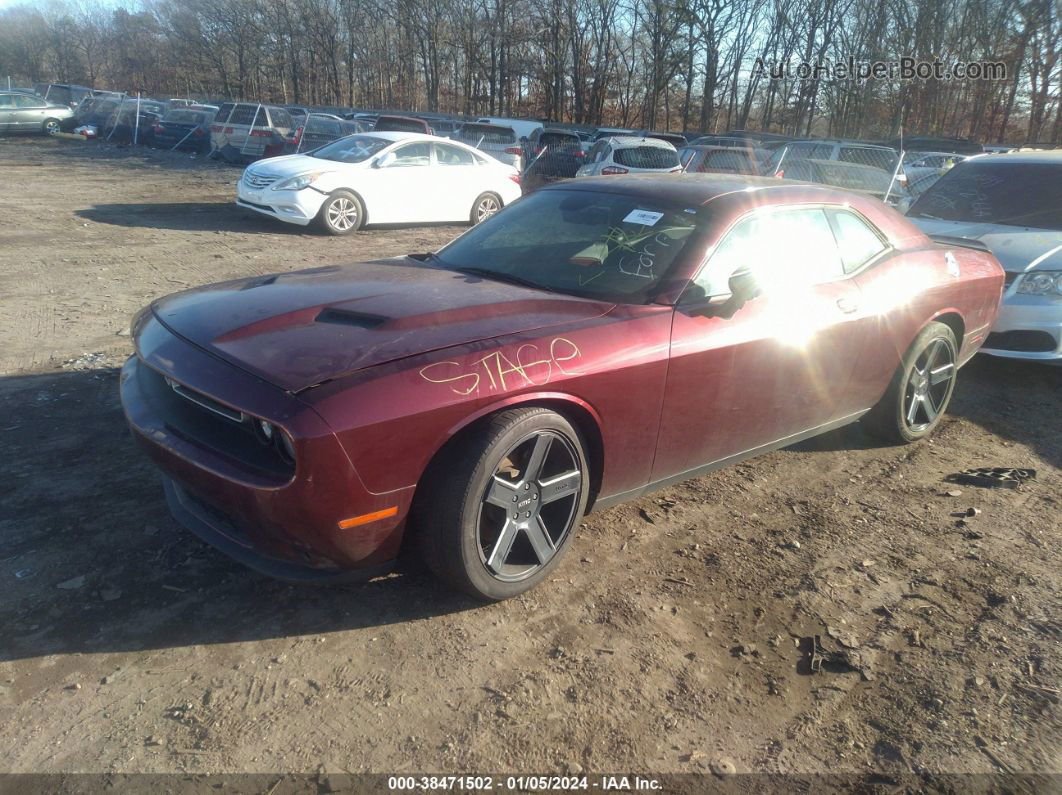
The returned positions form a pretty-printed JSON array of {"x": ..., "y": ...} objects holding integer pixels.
[{"x": 593, "y": 341}]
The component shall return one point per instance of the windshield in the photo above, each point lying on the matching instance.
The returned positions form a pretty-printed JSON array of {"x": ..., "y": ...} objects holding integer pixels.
[
  {"x": 606, "y": 246},
  {"x": 989, "y": 191},
  {"x": 352, "y": 149}
]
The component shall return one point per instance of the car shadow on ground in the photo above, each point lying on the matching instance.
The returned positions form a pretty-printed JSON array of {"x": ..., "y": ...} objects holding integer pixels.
[
  {"x": 1008, "y": 398},
  {"x": 92, "y": 562},
  {"x": 211, "y": 217},
  {"x": 188, "y": 217},
  {"x": 1015, "y": 400}
]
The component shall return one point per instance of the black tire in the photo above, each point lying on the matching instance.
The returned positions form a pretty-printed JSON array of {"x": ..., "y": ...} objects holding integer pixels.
[
  {"x": 920, "y": 390},
  {"x": 468, "y": 539},
  {"x": 485, "y": 206},
  {"x": 51, "y": 126},
  {"x": 341, "y": 213}
]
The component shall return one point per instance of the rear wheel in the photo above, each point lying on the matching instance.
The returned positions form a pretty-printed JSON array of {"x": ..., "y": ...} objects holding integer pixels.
[
  {"x": 341, "y": 213},
  {"x": 920, "y": 390},
  {"x": 50, "y": 126},
  {"x": 486, "y": 205},
  {"x": 498, "y": 512}
]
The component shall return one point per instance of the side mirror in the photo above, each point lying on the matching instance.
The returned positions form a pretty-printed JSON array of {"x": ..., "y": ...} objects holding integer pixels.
[
  {"x": 743, "y": 286},
  {"x": 384, "y": 160}
]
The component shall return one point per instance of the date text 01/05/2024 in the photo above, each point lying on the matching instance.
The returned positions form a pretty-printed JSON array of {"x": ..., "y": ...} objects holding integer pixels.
[{"x": 530, "y": 783}]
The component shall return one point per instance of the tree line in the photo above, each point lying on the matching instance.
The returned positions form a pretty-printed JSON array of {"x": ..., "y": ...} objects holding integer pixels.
[{"x": 687, "y": 65}]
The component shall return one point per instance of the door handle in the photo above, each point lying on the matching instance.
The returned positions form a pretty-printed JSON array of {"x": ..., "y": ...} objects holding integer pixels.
[{"x": 847, "y": 305}]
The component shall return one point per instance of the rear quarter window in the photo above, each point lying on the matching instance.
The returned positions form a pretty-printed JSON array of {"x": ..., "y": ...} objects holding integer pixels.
[
  {"x": 278, "y": 117},
  {"x": 223, "y": 113}
]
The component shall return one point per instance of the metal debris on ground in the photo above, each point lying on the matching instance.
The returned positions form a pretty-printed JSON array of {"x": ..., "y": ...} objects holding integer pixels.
[
  {"x": 837, "y": 661},
  {"x": 995, "y": 477}
]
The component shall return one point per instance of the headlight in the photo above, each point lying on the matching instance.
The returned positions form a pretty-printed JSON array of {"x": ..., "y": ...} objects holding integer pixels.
[
  {"x": 299, "y": 182},
  {"x": 286, "y": 446},
  {"x": 266, "y": 429},
  {"x": 1041, "y": 283},
  {"x": 138, "y": 320},
  {"x": 274, "y": 436}
]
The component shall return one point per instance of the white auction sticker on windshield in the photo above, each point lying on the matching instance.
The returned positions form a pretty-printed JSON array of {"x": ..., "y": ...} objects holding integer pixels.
[{"x": 643, "y": 217}]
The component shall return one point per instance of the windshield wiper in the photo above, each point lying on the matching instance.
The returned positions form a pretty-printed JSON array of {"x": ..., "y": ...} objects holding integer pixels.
[{"x": 509, "y": 278}]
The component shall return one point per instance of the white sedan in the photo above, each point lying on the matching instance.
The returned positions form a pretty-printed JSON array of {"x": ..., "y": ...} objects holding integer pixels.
[{"x": 379, "y": 178}]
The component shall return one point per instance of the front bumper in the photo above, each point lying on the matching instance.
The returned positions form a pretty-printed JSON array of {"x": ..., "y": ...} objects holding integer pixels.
[
  {"x": 292, "y": 206},
  {"x": 212, "y": 527},
  {"x": 282, "y": 523},
  {"x": 1028, "y": 327}
]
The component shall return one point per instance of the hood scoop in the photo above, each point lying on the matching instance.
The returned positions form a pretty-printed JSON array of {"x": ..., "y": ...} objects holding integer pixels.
[{"x": 344, "y": 317}]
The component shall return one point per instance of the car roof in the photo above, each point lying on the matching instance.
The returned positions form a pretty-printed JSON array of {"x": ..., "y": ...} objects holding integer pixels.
[
  {"x": 637, "y": 140},
  {"x": 1048, "y": 157},
  {"x": 695, "y": 189},
  {"x": 400, "y": 135}
]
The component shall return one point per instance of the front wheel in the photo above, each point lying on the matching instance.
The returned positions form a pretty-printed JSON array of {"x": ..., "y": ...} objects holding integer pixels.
[
  {"x": 920, "y": 390},
  {"x": 50, "y": 126},
  {"x": 341, "y": 213},
  {"x": 497, "y": 513},
  {"x": 486, "y": 205}
]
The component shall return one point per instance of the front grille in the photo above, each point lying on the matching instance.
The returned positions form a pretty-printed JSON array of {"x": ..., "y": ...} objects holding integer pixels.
[
  {"x": 265, "y": 207},
  {"x": 259, "y": 180},
  {"x": 1021, "y": 341},
  {"x": 206, "y": 402},
  {"x": 203, "y": 421},
  {"x": 214, "y": 516}
]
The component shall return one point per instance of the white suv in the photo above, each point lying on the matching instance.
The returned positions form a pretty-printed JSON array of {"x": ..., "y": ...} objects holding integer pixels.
[{"x": 628, "y": 154}]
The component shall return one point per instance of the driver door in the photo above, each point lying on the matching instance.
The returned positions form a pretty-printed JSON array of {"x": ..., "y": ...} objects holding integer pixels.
[
  {"x": 780, "y": 364},
  {"x": 396, "y": 193}
]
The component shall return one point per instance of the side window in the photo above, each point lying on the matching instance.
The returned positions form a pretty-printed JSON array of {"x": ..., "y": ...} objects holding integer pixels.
[
  {"x": 736, "y": 251},
  {"x": 784, "y": 154},
  {"x": 24, "y": 101},
  {"x": 801, "y": 248},
  {"x": 781, "y": 247},
  {"x": 856, "y": 241},
  {"x": 820, "y": 152},
  {"x": 418, "y": 154},
  {"x": 452, "y": 156},
  {"x": 864, "y": 156},
  {"x": 7, "y": 101}
]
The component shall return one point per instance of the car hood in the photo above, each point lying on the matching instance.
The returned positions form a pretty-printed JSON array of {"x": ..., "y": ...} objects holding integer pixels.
[
  {"x": 296, "y": 330},
  {"x": 1018, "y": 248}
]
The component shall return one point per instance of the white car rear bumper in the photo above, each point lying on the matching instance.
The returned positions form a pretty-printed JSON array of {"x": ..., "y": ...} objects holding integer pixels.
[{"x": 292, "y": 206}]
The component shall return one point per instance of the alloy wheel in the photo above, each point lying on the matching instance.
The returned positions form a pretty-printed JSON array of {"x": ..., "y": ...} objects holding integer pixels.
[
  {"x": 342, "y": 213},
  {"x": 928, "y": 385},
  {"x": 487, "y": 206},
  {"x": 51, "y": 127},
  {"x": 530, "y": 506}
]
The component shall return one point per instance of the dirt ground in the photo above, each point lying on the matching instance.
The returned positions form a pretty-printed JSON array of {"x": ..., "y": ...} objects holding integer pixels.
[{"x": 673, "y": 639}]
